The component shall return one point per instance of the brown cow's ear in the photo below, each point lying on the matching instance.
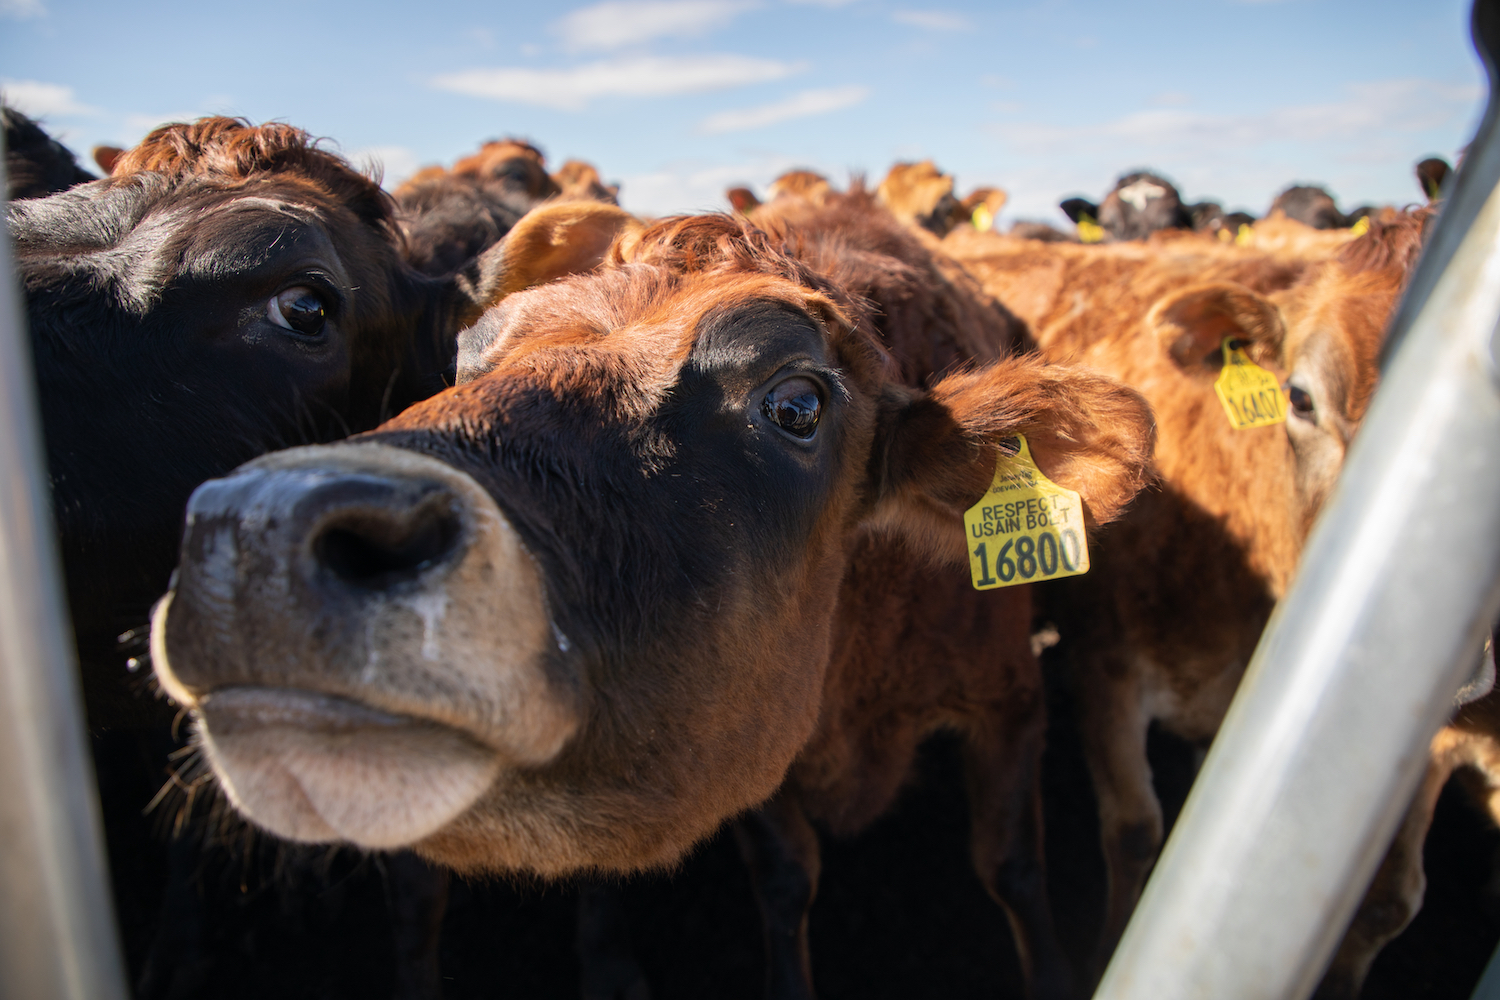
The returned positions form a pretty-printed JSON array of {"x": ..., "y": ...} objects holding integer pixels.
[
  {"x": 936, "y": 451},
  {"x": 548, "y": 243},
  {"x": 106, "y": 157},
  {"x": 1191, "y": 324}
]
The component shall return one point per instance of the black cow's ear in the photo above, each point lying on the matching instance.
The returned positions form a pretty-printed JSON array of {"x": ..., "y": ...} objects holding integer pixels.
[
  {"x": 1079, "y": 208},
  {"x": 937, "y": 450},
  {"x": 1191, "y": 324},
  {"x": 548, "y": 243}
]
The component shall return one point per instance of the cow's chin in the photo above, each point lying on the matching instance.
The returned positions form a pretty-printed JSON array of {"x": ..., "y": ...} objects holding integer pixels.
[{"x": 314, "y": 768}]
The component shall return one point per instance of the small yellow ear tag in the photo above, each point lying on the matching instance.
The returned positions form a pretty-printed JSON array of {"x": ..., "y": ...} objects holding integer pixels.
[
  {"x": 1244, "y": 236},
  {"x": 1250, "y": 394},
  {"x": 1025, "y": 528},
  {"x": 1089, "y": 231},
  {"x": 983, "y": 219},
  {"x": 1361, "y": 227}
]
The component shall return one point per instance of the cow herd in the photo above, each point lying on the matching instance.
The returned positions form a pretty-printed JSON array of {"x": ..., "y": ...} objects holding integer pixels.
[{"x": 485, "y": 528}]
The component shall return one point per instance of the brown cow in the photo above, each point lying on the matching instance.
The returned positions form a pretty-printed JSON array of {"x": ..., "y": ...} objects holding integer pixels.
[
  {"x": 577, "y": 180},
  {"x": 919, "y": 194},
  {"x": 1162, "y": 627},
  {"x": 642, "y": 565}
]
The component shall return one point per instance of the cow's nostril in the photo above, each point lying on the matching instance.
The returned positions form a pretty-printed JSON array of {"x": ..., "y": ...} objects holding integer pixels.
[{"x": 378, "y": 549}]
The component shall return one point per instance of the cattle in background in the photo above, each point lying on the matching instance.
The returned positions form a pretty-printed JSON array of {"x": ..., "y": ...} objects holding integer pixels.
[
  {"x": 36, "y": 164},
  {"x": 1315, "y": 207},
  {"x": 1209, "y": 217},
  {"x": 596, "y": 686},
  {"x": 1140, "y": 204},
  {"x": 1181, "y": 587},
  {"x": 577, "y": 180},
  {"x": 808, "y": 185},
  {"x": 919, "y": 194},
  {"x": 450, "y": 217},
  {"x": 1432, "y": 174},
  {"x": 741, "y": 200},
  {"x": 1028, "y": 230},
  {"x": 107, "y": 157}
]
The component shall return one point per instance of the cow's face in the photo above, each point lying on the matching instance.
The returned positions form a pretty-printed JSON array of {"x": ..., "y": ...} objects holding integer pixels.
[
  {"x": 1321, "y": 338},
  {"x": 181, "y": 327},
  {"x": 575, "y": 612}
]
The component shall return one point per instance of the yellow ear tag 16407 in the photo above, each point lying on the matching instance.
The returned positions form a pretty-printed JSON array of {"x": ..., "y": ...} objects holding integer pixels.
[
  {"x": 1250, "y": 394},
  {"x": 1025, "y": 528}
]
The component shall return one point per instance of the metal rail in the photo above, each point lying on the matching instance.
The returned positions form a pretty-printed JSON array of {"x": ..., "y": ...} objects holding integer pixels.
[
  {"x": 1327, "y": 737},
  {"x": 57, "y": 931}
]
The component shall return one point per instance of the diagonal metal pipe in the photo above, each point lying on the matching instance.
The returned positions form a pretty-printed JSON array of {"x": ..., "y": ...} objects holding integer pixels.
[
  {"x": 1327, "y": 737},
  {"x": 57, "y": 931}
]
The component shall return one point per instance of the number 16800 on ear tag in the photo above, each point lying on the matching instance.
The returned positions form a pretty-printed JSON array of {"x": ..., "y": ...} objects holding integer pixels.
[{"x": 1025, "y": 528}]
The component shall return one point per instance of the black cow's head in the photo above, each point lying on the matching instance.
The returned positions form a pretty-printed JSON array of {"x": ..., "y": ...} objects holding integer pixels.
[{"x": 229, "y": 291}]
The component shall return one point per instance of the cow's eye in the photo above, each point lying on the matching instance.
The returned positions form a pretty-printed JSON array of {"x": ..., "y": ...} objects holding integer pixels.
[
  {"x": 794, "y": 406},
  {"x": 298, "y": 309},
  {"x": 1301, "y": 400}
]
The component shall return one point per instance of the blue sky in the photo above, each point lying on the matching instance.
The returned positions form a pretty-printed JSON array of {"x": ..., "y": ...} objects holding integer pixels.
[{"x": 679, "y": 99}]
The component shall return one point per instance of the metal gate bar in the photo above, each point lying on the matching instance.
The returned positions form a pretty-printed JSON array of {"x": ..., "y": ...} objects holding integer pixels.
[
  {"x": 1327, "y": 737},
  {"x": 57, "y": 930}
]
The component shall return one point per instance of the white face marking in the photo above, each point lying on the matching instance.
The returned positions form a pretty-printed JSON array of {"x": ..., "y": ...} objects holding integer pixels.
[{"x": 1141, "y": 193}]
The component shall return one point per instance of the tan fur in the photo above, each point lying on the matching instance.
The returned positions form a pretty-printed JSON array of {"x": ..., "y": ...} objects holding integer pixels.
[
  {"x": 1162, "y": 626},
  {"x": 577, "y": 180},
  {"x": 919, "y": 194}
]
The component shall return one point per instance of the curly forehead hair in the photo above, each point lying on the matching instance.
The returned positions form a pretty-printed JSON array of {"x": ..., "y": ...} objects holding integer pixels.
[
  {"x": 721, "y": 242},
  {"x": 231, "y": 150}
]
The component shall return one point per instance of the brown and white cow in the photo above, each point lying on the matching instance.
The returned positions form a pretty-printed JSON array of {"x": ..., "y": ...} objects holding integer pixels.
[
  {"x": 680, "y": 542},
  {"x": 1163, "y": 626}
]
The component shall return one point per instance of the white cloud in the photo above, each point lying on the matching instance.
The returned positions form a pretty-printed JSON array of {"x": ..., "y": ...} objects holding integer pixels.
[
  {"x": 395, "y": 163},
  {"x": 22, "y": 10},
  {"x": 615, "y": 24},
  {"x": 697, "y": 187},
  {"x": 932, "y": 20},
  {"x": 808, "y": 102},
  {"x": 1360, "y": 147},
  {"x": 40, "y": 100},
  {"x": 140, "y": 124},
  {"x": 646, "y": 76},
  {"x": 1371, "y": 108}
]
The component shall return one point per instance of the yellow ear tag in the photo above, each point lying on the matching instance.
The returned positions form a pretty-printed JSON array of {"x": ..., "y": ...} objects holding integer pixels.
[
  {"x": 1089, "y": 231},
  {"x": 1361, "y": 227},
  {"x": 1250, "y": 394},
  {"x": 1025, "y": 528},
  {"x": 983, "y": 219},
  {"x": 1244, "y": 236}
]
